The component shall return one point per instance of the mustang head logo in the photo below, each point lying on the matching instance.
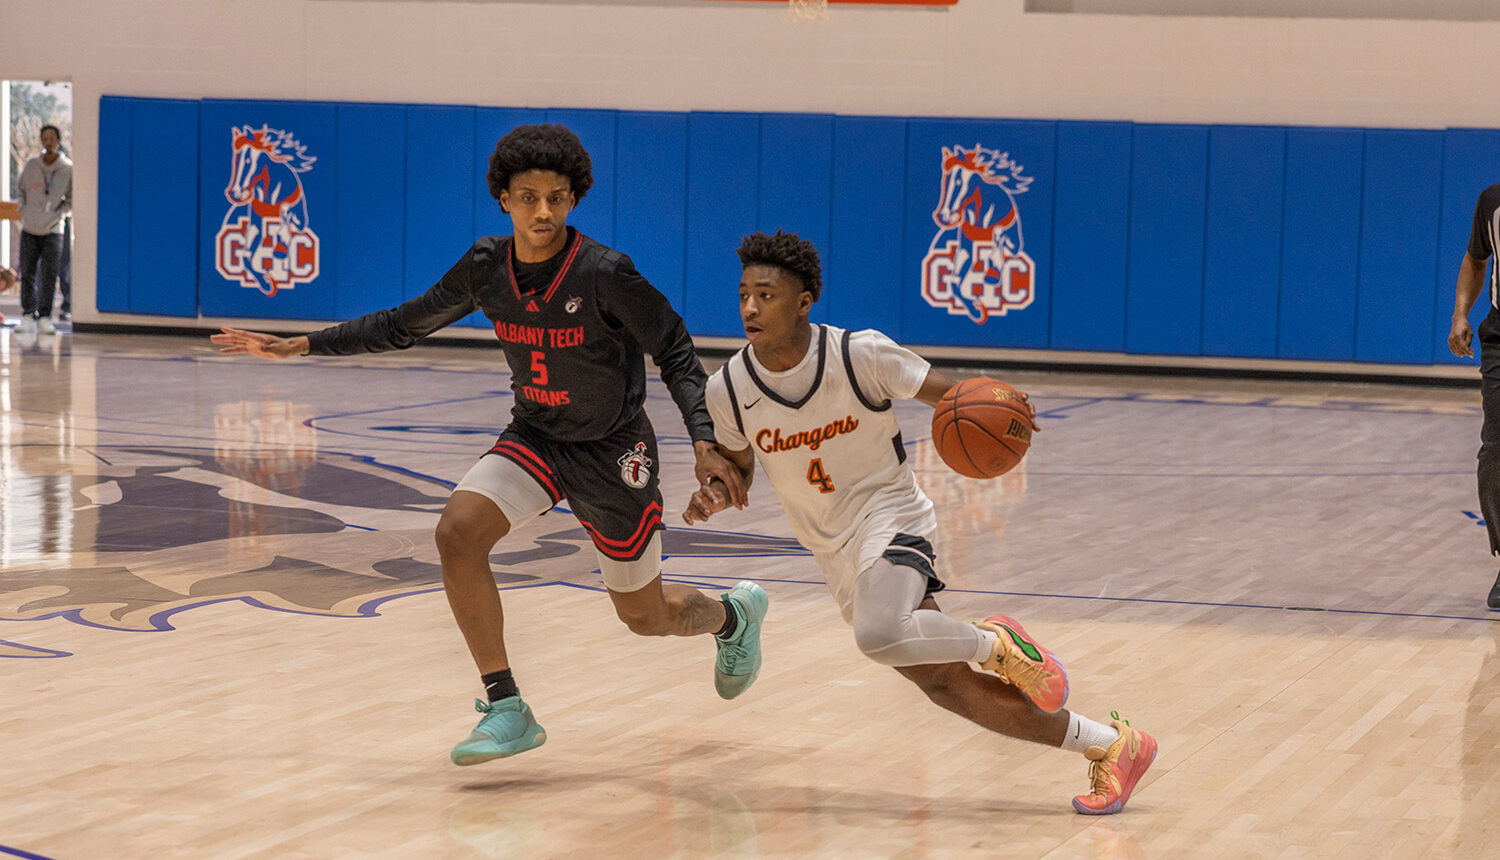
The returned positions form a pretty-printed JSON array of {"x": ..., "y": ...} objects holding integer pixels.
[
  {"x": 977, "y": 265},
  {"x": 266, "y": 241}
]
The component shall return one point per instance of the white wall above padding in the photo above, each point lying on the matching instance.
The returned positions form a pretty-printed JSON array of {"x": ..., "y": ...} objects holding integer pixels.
[{"x": 980, "y": 58}]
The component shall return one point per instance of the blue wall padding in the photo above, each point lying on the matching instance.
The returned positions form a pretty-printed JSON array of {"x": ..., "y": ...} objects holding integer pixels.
[
  {"x": 862, "y": 271},
  {"x": 1164, "y": 286},
  {"x": 1320, "y": 243},
  {"x": 440, "y": 169},
  {"x": 116, "y": 137},
  {"x": 596, "y": 130},
  {"x": 163, "y": 250},
  {"x": 1091, "y": 236},
  {"x": 1031, "y": 147},
  {"x": 651, "y": 213},
  {"x": 315, "y": 128},
  {"x": 1471, "y": 163},
  {"x": 1398, "y": 244},
  {"x": 796, "y": 186},
  {"x": 370, "y": 170},
  {"x": 1301, "y": 243},
  {"x": 1242, "y": 254},
  {"x": 722, "y": 206}
]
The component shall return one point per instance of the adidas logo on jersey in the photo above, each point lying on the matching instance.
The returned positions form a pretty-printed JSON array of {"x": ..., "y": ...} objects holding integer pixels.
[{"x": 531, "y": 306}]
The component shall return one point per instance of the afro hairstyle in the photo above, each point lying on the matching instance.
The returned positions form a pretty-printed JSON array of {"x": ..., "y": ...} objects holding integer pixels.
[
  {"x": 788, "y": 252},
  {"x": 540, "y": 147}
]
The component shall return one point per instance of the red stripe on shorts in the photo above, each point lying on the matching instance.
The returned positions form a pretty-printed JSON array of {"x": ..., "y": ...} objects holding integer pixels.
[
  {"x": 528, "y": 460},
  {"x": 630, "y": 547}
]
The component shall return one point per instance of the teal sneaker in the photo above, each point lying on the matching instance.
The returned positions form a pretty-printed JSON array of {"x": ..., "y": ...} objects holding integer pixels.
[
  {"x": 507, "y": 728},
  {"x": 738, "y": 662}
]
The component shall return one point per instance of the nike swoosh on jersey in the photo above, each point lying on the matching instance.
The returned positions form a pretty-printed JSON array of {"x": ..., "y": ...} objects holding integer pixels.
[{"x": 753, "y": 402}]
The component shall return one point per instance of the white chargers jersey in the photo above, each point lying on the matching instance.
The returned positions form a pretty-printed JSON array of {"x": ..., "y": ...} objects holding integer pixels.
[{"x": 826, "y": 436}]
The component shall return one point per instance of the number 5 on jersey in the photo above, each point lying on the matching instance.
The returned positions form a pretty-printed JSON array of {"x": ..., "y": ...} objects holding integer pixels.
[
  {"x": 819, "y": 478},
  {"x": 538, "y": 369}
]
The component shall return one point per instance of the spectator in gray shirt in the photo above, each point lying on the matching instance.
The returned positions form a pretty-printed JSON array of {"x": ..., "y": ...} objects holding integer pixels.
[{"x": 46, "y": 198}]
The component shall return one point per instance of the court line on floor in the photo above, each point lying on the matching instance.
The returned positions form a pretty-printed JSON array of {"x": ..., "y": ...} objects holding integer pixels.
[
  {"x": 1045, "y": 473},
  {"x": 487, "y": 395},
  {"x": 211, "y": 356},
  {"x": 1494, "y": 617},
  {"x": 1372, "y": 407},
  {"x": 369, "y": 608},
  {"x": 25, "y": 855},
  {"x": 44, "y": 653}
]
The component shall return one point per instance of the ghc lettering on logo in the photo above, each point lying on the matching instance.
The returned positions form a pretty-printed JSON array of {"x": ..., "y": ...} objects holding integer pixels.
[
  {"x": 265, "y": 240},
  {"x": 976, "y": 265},
  {"x": 267, "y": 253}
]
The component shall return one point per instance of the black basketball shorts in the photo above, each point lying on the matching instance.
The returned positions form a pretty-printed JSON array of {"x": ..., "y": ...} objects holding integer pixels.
[{"x": 611, "y": 484}]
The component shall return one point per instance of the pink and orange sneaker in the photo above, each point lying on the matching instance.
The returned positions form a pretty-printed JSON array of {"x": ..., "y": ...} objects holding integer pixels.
[
  {"x": 1115, "y": 771},
  {"x": 1024, "y": 664}
]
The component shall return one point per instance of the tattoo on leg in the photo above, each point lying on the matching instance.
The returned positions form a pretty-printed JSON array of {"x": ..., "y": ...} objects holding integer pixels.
[{"x": 699, "y": 614}]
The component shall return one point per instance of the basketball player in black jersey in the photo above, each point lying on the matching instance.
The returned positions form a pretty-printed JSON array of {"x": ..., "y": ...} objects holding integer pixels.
[
  {"x": 575, "y": 320},
  {"x": 1483, "y": 236}
]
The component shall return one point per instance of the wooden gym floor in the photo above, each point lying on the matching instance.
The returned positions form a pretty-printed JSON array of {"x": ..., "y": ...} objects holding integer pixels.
[{"x": 222, "y": 632}]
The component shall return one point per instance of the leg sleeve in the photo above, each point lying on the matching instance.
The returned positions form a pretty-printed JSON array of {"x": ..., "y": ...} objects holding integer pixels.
[
  {"x": 515, "y": 491},
  {"x": 892, "y": 631},
  {"x": 626, "y": 576}
]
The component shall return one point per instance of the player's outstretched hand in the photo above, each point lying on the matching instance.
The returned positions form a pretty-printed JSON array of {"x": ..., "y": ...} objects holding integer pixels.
[
  {"x": 711, "y": 464},
  {"x": 1461, "y": 338},
  {"x": 233, "y": 341}
]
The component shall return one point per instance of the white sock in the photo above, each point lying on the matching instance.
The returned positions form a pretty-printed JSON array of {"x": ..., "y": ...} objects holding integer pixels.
[
  {"x": 986, "y": 645},
  {"x": 1084, "y": 733}
]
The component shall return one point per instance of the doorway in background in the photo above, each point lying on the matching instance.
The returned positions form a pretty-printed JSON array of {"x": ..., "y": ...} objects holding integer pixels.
[{"x": 26, "y": 106}]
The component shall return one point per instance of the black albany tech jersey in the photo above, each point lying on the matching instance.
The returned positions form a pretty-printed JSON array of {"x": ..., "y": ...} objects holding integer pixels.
[
  {"x": 576, "y": 346},
  {"x": 1485, "y": 236}
]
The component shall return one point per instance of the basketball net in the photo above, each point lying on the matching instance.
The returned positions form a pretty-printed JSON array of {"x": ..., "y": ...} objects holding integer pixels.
[{"x": 809, "y": 10}]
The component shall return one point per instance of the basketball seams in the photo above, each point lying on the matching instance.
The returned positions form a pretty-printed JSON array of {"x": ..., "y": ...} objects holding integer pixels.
[
  {"x": 949, "y": 402},
  {"x": 956, "y": 426},
  {"x": 1002, "y": 439}
]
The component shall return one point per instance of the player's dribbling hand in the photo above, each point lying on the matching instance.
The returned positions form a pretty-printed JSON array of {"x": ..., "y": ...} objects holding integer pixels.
[
  {"x": 1030, "y": 412},
  {"x": 233, "y": 341},
  {"x": 1461, "y": 338}
]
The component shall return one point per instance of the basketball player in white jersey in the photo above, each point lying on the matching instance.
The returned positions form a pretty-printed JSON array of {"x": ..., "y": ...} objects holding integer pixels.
[{"x": 813, "y": 404}]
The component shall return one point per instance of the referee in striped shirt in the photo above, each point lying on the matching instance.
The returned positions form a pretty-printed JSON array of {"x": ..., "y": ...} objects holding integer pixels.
[{"x": 1483, "y": 237}]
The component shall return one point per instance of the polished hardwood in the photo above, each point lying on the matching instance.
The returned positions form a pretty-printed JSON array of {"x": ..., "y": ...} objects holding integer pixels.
[{"x": 222, "y": 632}]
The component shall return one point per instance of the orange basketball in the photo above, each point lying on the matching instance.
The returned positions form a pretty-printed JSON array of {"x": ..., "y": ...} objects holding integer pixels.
[{"x": 981, "y": 428}]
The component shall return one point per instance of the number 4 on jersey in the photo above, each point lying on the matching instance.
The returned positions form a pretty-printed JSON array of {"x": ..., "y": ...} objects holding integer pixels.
[{"x": 819, "y": 478}]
